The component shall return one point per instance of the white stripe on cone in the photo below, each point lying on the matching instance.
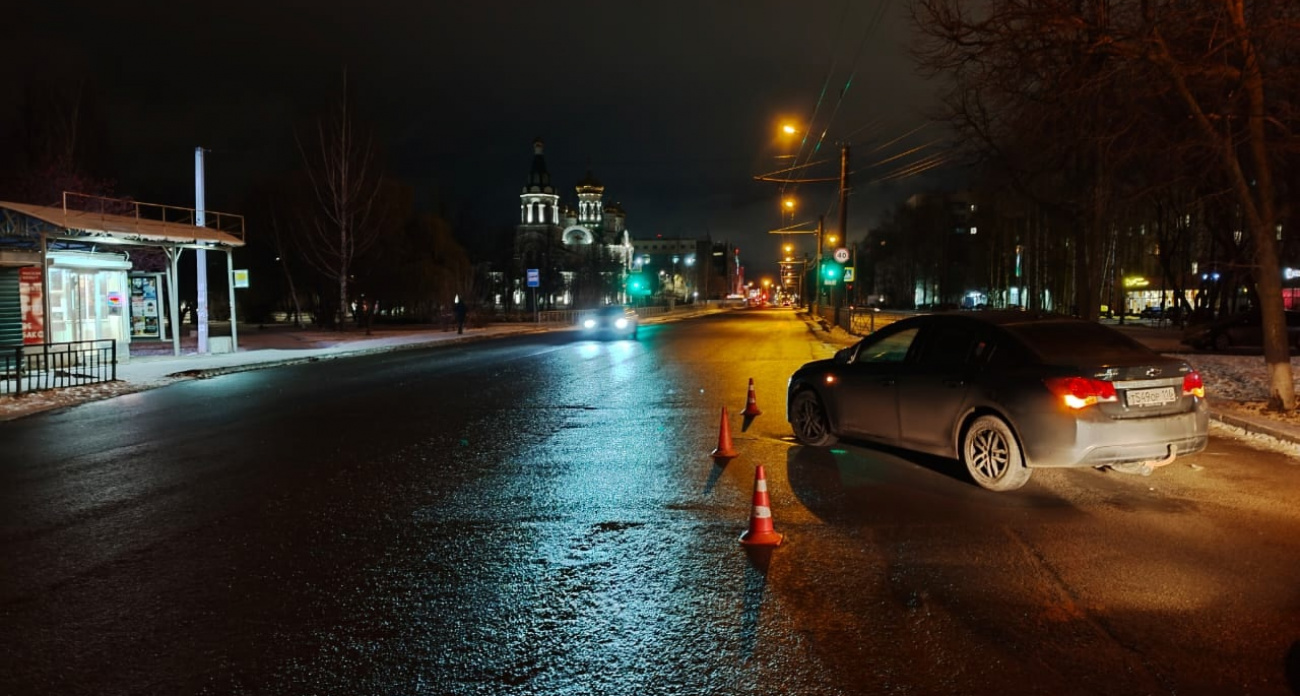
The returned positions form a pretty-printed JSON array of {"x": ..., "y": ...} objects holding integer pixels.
[
  {"x": 760, "y": 486},
  {"x": 761, "y": 511}
]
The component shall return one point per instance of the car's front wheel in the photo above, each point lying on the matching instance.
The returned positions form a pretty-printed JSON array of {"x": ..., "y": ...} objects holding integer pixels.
[
  {"x": 992, "y": 455},
  {"x": 809, "y": 420}
]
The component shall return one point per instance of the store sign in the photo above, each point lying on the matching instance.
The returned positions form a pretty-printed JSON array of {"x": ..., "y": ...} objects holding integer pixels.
[
  {"x": 241, "y": 278},
  {"x": 33, "y": 306}
]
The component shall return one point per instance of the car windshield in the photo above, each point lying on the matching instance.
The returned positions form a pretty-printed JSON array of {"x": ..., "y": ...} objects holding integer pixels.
[{"x": 1074, "y": 341}]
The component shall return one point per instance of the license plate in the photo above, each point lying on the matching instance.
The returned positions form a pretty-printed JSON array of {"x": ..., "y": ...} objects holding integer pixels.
[{"x": 1151, "y": 397}]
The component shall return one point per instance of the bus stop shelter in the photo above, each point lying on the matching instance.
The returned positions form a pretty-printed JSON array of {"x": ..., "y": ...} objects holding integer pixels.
[{"x": 30, "y": 234}]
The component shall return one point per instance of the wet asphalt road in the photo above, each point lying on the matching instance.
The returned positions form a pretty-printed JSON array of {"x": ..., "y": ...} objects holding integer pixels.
[{"x": 539, "y": 515}]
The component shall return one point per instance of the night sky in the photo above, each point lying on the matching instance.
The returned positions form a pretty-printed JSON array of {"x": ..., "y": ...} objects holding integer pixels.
[{"x": 674, "y": 106}]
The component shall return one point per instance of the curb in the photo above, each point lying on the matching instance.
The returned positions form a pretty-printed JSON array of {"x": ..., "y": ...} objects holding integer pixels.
[
  {"x": 1255, "y": 427},
  {"x": 204, "y": 373}
]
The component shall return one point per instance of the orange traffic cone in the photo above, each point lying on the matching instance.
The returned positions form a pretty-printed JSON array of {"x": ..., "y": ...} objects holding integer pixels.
[
  {"x": 725, "y": 450},
  {"x": 761, "y": 532},
  {"x": 751, "y": 404}
]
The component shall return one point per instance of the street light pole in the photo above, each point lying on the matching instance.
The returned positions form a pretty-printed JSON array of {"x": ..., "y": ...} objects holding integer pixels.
[
  {"x": 817, "y": 266},
  {"x": 844, "y": 210}
]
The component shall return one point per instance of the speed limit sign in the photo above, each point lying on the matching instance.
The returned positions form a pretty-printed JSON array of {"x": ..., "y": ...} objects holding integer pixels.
[{"x": 842, "y": 255}]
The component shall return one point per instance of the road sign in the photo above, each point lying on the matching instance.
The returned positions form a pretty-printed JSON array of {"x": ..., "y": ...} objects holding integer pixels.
[
  {"x": 842, "y": 255},
  {"x": 534, "y": 278},
  {"x": 848, "y": 274}
]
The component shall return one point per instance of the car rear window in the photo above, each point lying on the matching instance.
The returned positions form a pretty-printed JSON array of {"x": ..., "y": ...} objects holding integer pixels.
[{"x": 1074, "y": 341}]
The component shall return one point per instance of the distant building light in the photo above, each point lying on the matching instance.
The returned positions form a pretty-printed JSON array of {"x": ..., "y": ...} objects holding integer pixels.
[{"x": 972, "y": 230}]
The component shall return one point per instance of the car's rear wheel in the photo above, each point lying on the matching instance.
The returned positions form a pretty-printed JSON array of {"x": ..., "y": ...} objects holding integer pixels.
[
  {"x": 809, "y": 421},
  {"x": 992, "y": 455}
]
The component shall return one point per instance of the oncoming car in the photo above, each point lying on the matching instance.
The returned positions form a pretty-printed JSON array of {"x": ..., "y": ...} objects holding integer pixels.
[
  {"x": 1004, "y": 393},
  {"x": 613, "y": 320}
]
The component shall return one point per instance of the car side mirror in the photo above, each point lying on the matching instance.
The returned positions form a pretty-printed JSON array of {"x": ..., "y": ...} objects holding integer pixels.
[{"x": 844, "y": 356}]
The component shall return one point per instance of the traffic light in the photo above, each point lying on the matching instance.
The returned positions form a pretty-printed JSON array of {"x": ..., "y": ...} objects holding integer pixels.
[
  {"x": 832, "y": 273},
  {"x": 637, "y": 285}
]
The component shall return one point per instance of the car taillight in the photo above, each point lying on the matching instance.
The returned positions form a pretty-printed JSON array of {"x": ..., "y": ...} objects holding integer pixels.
[
  {"x": 1193, "y": 386},
  {"x": 1081, "y": 392}
]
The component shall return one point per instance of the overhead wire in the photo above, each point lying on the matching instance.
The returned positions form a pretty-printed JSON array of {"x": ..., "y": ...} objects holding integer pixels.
[
  {"x": 821, "y": 96},
  {"x": 872, "y": 26}
]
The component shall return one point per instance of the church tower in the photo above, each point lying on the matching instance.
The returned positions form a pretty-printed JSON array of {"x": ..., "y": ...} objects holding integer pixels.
[
  {"x": 590, "y": 209},
  {"x": 539, "y": 204}
]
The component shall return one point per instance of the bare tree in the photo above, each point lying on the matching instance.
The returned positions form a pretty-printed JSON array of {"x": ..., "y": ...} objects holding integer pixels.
[
  {"x": 1102, "y": 88},
  {"x": 345, "y": 181},
  {"x": 282, "y": 256}
]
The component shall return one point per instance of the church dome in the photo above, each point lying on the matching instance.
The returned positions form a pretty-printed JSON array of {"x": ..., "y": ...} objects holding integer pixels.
[{"x": 590, "y": 184}]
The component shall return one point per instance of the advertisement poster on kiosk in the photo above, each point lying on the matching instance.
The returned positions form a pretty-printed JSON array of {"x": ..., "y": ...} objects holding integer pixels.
[
  {"x": 145, "y": 320},
  {"x": 33, "y": 308}
]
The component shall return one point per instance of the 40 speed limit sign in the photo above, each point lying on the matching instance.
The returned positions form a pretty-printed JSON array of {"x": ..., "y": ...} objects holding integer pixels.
[{"x": 842, "y": 255}]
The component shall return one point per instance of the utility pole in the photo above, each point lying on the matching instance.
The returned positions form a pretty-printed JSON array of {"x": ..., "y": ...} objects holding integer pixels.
[
  {"x": 843, "y": 180},
  {"x": 817, "y": 267},
  {"x": 836, "y": 294},
  {"x": 201, "y": 254}
]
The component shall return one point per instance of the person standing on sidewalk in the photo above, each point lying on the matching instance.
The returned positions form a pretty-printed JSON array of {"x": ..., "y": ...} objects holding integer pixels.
[{"x": 461, "y": 310}]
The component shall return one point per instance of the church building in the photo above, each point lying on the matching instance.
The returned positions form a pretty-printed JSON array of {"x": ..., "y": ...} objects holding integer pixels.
[{"x": 565, "y": 257}]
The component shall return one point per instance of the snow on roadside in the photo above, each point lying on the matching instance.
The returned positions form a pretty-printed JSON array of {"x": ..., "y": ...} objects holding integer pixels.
[
  {"x": 12, "y": 407},
  {"x": 1235, "y": 377}
]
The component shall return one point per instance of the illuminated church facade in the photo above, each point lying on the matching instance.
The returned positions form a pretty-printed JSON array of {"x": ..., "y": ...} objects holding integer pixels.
[{"x": 569, "y": 257}]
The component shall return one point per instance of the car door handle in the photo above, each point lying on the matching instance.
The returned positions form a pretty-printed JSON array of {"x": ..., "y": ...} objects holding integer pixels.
[
  {"x": 954, "y": 383},
  {"x": 887, "y": 382}
]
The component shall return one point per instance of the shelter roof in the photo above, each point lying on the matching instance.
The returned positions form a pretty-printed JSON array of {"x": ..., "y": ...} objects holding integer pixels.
[{"x": 139, "y": 223}]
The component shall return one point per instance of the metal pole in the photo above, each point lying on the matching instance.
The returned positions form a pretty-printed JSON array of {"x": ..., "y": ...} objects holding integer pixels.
[
  {"x": 200, "y": 254},
  {"x": 230, "y": 287},
  {"x": 836, "y": 295},
  {"x": 817, "y": 268},
  {"x": 174, "y": 297}
]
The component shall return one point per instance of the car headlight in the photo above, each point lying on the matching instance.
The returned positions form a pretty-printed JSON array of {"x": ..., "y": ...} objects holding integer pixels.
[
  {"x": 621, "y": 323},
  {"x": 589, "y": 324}
]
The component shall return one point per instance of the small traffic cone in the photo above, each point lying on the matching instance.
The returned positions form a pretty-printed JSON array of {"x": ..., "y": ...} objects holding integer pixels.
[
  {"x": 724, "y": 451},
  {"x": 761, "y": 532},
  {"x": 751, "y": 404}
]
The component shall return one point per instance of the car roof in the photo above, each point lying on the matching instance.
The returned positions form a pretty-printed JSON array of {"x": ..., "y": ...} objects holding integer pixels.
[{"x": 1008, "y": 317}]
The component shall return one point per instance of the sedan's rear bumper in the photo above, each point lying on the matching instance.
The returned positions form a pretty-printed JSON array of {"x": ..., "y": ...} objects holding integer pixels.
[{"x": 1099, "y": 442}]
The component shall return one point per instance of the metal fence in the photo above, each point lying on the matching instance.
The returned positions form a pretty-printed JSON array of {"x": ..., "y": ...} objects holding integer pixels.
[
  {"x": 575, "y": 316},
  {"x": 33, "y": 368},
  {"x": 860, "y": 321}
]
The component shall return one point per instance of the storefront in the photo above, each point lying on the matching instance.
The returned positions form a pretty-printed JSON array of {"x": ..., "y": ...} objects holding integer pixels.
[{"x": 88, "y": 294}]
